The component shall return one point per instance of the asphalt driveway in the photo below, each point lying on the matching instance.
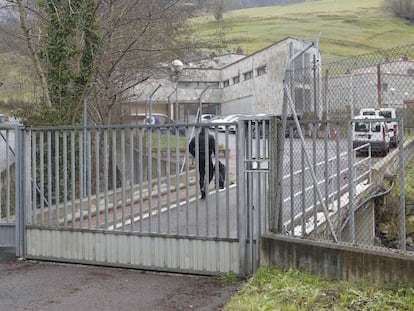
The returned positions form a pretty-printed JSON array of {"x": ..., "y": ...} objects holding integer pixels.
[{"x": 30, "y": 285}]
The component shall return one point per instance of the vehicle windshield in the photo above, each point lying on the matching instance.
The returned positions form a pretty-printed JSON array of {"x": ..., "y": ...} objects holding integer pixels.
[
  {"x": 207, "y": 116},
  {"x": 368, "y": 113},
  {"x": 365, "y": 127},
  {"x": 361, "y": 126},
  {"x": 375, "y": 126},
  {"x": 385, "y": 114},
  {"x": 228, "y": 118}
]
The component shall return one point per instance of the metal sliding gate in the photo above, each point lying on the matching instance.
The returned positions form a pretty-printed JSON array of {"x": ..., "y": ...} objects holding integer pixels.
[{"x": 130, "y": 196}]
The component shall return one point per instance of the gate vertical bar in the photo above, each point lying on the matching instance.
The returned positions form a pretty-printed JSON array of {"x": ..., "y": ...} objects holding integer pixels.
[
  {"x": 292, "y": 190},
  {"x": 402, "y": 186},
  {"x": 57, "y": 179},
  {"x": 249, "y": 197},
  {"x": 241, "y": 203},
  {"x": 351, "y": 162},
  {"x": 23, "y": 187},
  {"x": 131, "y": 178},
  {"x": 338, "y": 183},
  {"x": 32, "y": 210},
  {"x": 65, "y": 178},
  {"x": 97, "y": 176},
  {"x": 18, "y": 197},
  {"x": 273, "y": 176}
]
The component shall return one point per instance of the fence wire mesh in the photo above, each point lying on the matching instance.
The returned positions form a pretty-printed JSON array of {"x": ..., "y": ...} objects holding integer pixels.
[{"x": 346, "y": 168}]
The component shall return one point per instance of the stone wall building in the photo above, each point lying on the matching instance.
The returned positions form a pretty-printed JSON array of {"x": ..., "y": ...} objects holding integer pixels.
[{"x": 225, "y": 84}]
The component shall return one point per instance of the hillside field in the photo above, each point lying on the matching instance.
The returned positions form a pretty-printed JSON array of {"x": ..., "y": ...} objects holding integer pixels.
[{"x": 345, "y": 27}]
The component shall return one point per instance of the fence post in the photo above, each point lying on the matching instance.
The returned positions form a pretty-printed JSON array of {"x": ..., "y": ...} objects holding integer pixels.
[
  {"x": 402, "y": 185},
  {"x": 275, "y": 200},
  {"x": 22, "y": 184}
]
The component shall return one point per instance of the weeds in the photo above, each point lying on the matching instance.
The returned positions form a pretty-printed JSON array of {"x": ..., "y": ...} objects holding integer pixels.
[{"x": 272, "y": 289}]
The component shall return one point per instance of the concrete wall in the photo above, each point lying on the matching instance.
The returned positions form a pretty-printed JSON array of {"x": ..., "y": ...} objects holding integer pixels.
[
  {"x": 359, "y": 88},
  {"x": 364, "y": 226},
  {"x": 335, "y": 261},
  {"x": 390, "y": 163}
]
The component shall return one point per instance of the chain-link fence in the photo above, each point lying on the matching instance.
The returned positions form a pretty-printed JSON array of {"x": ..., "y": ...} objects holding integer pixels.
[{"x": 346, "y": 169}]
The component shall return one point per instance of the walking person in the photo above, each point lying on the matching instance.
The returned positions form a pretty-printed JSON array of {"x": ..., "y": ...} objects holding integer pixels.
[{"x": 203, "y": 156}]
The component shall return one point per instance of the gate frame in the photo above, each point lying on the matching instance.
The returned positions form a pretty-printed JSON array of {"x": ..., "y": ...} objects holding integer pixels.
[
  {"x": 16, "y": 227},
  {"x": 223, "y": 246}
]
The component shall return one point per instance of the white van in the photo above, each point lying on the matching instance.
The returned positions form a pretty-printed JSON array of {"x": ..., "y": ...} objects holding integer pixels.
[
  {"x": 371, "y": 130},
  {"x": 387, "y": 113}
]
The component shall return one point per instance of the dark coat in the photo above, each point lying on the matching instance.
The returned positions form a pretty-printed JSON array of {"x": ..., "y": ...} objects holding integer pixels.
[{"x": 202, "y": 144}]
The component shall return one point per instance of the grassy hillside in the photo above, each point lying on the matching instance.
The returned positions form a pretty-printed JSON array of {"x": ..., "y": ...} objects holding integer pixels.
[
  {"x": 346, "y": 27},
  {"x": 17, "y": 78}
]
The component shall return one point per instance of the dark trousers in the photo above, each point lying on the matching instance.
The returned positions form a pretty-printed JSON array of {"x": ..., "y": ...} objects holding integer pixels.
[{"x": 202, "y": 171}]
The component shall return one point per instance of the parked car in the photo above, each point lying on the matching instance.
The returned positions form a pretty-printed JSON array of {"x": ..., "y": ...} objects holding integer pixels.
[
  {"x": 220, "y": 122},
  {"x": 161, "y": 119},
  {"x": 207, "y": 117},
  {"x": 387, "y": 113},
  {"x": 372, "y": 130}
]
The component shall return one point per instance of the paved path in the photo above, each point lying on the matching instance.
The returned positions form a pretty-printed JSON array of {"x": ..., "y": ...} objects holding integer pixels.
[{"x": 34, "y": 286}]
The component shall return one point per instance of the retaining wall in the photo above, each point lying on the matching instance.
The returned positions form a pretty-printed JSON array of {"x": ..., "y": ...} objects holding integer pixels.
[{"x": 336, "y": 261}]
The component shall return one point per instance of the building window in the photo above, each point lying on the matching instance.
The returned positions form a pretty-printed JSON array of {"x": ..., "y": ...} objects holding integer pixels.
[
  {"x": 260, "y": 71},
  {"x": 248, "y": 75},
  {"x": 410, "y": 72},
  {"x": 226, "y": 83},
  {"x": 236, "y": 79},
  {"x": 212, "y": 84},
  {"x": 188, "y": 84}
]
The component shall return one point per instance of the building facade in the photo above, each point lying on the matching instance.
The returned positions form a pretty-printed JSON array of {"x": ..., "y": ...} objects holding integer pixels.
[
  {"x": 387, "y": 84},
  {"x": 225, "y": 84}
]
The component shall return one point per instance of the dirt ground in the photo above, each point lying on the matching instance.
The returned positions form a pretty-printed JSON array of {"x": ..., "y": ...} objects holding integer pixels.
[{"x": 30, "y": 285}]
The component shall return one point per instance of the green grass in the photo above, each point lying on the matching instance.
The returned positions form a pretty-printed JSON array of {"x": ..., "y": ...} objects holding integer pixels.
[
  {"x": 272, "y": 289},
  {"x": 346, "y": 27},
  {"x": 163, "y": 140}
]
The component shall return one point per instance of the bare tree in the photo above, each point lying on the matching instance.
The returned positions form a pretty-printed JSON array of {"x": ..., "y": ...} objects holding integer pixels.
[
  {"x": 101, "y": 47},
  {"x": 218, "y": 8},
  {"x": 138, "y": 36},
  {"x": 27, "y": 35}
]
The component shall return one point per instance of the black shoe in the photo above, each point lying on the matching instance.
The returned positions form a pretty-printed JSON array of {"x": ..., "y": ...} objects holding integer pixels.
[{"x": 203, "y": 195}]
